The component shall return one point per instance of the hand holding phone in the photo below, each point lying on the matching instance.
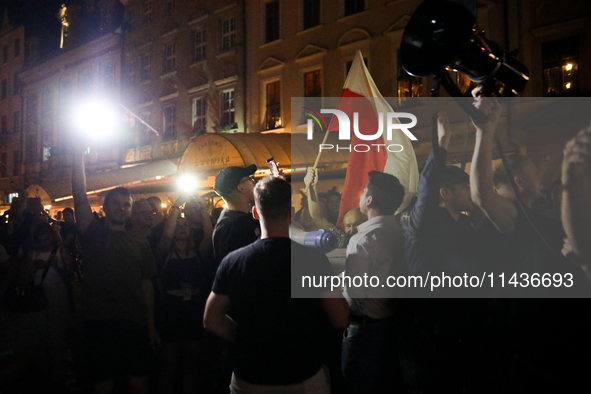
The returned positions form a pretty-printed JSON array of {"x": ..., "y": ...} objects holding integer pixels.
[{"x": 273, "y": 167}]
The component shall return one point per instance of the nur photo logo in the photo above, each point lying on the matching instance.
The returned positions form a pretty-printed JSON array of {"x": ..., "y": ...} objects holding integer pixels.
[{"x": 391, "y": 120}]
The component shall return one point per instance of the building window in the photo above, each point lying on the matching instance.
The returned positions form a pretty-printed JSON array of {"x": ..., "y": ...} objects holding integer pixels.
[
  {"x": 199, "y": 115},
  {"x": 228, "y": 109},
  {"x": 16, "y": 162},
  {"x": 228, "y": 33},
  {"x": 17, "y": 47},
  {"x": 169, "y": 57},
  {"x": 312, "y": 89},
  {"x": 5, "y": 54},
  {"x": 16, "y": 122},
  {"x": 4, "y": 89},
  {"x": 46, "y": 152},
  {"x": 144, "y": 133},
  {"x": 147, "y": 11},
  {"x": 198, "y": 38},
  {"x": 354, "y": 6},
  {"x": 311, "y": 13},
  {"x": 146, "y": 62},
  {"x": 560, "y": 61},
  {"x": 408, "y": 86},
  {"x": 10, "y": 196},
  {"x": 273, "y": 110},
  {"x": 313, "y": 84},
  {"x": 170, "y": 5},
  {"x": 169, "y": 119},
  {"x": 3, "y": 160},
  {"x": 272, "y": 21},
  {"x": 4, "y": 124}
]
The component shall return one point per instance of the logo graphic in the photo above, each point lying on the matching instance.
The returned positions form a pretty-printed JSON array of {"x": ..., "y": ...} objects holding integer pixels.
[
  {"x": 345, "y": 128},
  {"x": 317, "y": 117}
]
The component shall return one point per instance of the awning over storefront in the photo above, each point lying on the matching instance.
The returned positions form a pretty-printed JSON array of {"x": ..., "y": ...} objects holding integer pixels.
[
  {"x": 216, "y": 151},
  {"x": 58, "y": 189}
]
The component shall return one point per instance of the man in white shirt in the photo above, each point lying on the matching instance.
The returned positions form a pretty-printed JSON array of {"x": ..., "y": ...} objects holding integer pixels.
[{"x": 369, "y": 357}]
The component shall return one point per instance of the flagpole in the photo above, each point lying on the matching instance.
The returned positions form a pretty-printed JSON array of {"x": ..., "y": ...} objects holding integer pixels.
[
  {"x": 140, "y": 119},
  {"x": 317, "y": 157}
]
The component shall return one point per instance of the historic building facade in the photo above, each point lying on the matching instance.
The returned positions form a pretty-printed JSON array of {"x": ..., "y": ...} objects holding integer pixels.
[
  {"x": 191, "y": 70},
  {"x": 12, "y": 55}
]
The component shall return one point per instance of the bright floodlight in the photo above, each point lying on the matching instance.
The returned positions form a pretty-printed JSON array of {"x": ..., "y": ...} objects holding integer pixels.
[
  {"x": 95, "y": 118},
  {"x": 187, "y": 183}
]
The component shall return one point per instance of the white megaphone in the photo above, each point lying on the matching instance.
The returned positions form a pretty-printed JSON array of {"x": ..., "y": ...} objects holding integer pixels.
[{"x": 324, "y": 241}]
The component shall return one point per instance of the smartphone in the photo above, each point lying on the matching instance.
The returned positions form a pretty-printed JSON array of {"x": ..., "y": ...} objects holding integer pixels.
[{"x": 273, "y": 167}]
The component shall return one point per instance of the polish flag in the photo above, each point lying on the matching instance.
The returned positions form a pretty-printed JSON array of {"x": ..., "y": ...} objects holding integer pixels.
[{"x": 403, "y": 164}]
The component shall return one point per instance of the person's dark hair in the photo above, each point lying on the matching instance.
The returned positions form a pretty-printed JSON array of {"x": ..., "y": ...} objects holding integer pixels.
[
  {"x": 154, "y": 199},
  {"x": 272, "y": 196},
  {"x": 386, "y": 191},
  {"x": 118, "y": 191},
  {"x": 68, "y": 210},
  {"x": 516, "y": 162}
]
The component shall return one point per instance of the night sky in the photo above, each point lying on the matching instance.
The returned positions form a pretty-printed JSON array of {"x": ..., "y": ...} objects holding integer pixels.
[
  {"x": 38, "y": 16},
  {"x": 39, "y": 19}
]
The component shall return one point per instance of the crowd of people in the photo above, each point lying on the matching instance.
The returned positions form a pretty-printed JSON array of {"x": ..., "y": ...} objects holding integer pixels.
[{"x": 197, "y": 302}]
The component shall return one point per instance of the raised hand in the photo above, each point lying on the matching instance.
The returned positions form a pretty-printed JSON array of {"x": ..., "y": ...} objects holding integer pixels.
[{"x": 443, "y": 130}]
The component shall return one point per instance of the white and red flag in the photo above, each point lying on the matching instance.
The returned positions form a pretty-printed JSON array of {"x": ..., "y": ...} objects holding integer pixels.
[{"x": 402, "y": 163}]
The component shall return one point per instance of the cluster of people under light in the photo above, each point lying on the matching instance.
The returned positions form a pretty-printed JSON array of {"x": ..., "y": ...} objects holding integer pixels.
[{"x": 194, "y": 301}]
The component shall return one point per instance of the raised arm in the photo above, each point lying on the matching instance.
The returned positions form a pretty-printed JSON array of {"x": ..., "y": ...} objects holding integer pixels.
[
  {"x": 316, "y": 211},
  {"x": 168, "y": 232},
  {"x": 206, "y": 244},
  {"x": 500, "y": 210},
  {"x": 430, "y": 181},
  {"x": 81, "y": 206},
  {"x": 576, "y": 193}
]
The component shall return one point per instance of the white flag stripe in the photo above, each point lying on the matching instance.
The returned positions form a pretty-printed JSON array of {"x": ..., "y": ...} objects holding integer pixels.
[{"x": 402, "y": 165}]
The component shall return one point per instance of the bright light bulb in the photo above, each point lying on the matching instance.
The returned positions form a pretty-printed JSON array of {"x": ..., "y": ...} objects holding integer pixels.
[
  {"x": 568, "y": 67},
  {"x": 96, "y": 118},
  {"x": 164, "y": 205},
  {"x": 158, "y": 177},
  {"x": 568, "y": 85},
  {"x": 187, "y": 183}
]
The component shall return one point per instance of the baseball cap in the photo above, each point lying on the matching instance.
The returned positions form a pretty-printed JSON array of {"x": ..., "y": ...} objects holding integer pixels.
[
  {"x": 228, "y": 179},
  {"x": 453, "y": 175}
]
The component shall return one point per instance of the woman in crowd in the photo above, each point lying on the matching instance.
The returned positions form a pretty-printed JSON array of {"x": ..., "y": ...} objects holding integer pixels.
[{"x": 185, "y": 281}]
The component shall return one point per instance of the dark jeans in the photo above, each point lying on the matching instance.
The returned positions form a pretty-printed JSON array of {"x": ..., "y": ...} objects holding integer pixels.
[{"x": 370, "y": 357}]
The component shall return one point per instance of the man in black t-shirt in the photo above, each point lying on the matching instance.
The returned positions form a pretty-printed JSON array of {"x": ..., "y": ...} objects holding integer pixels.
[
  {"x": 235, "y": 227},
  {"x": 277, "y": 338}
]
